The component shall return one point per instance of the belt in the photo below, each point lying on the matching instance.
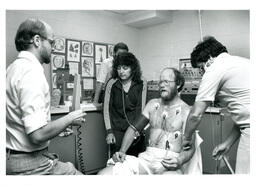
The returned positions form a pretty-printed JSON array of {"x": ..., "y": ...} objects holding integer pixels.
[{"x": 23, "y": 152}]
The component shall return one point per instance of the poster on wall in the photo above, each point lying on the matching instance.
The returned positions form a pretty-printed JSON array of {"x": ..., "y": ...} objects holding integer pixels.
[
  {"x": 59, "y": 44},
  {"x": 73, "y": 51},
  {"x": 87, "y": 67},
  {"x": 100, "y": 53},
  {"x": 57, "y": 61},
  {"x": 70, "y": 85},
  {"x": 87, "y": 48},
  {"x": 73, "y": 68},
  {"x": 87, "y": 84},
  {"x": 110, "y": 50}
]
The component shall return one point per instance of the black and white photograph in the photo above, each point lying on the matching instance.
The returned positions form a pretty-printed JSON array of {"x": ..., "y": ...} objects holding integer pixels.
[
  {"x": 87, "y": 64},
  {"x": 100, "y": 53},
  {"x": 142, "y": 91},
  {"x": 57, "y": 61},
  {"x": 87, "y": 48},
  {"x": 73, "y": 50},
  {"x": 59, "y": 44}
]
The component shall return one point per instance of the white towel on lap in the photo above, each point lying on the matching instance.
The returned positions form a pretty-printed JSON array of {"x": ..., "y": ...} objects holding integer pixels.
[{"x": 150, "y": 161}]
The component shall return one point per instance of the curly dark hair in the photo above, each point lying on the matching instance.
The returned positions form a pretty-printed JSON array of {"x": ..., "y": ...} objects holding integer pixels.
[
  {"x": 127, "y": 59},
  {"x": 26, "y": 31},
  {"x": 209, "y": 47},
  {"x": 179, "y": 78}
]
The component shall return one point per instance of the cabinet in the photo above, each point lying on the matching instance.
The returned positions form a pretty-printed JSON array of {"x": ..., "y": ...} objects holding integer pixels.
[
  {"x": 214, "y": 129},
  {"x": 93, "y": 143}
]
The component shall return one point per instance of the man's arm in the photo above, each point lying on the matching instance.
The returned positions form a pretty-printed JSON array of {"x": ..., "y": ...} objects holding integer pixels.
[
  {"x": 224, "y": 147},
  {"x": 129, "y": 136},
  {"x": 184, "y": 156},
  {"x": 194, "y": 119},
  {"x": 53, "y": 128},
  {"x": 131, "y": 133}
]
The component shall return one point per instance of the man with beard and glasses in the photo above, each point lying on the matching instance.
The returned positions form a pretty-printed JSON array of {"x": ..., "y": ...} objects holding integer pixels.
[
  {"x": 28, "y": 124},
  {"x": 166, "y": 117}
]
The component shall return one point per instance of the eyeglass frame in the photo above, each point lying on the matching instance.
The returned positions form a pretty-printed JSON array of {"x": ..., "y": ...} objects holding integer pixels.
[
  {"x": 166, "y": 82},
  {"x": 51, "y": 41}
]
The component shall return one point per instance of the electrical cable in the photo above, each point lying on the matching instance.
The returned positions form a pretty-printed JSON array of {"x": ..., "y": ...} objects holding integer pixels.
[
  {"x": 79, "y": 149},
  {"x": 200, "y": 24},
  {"x": 137, "y": 133}
]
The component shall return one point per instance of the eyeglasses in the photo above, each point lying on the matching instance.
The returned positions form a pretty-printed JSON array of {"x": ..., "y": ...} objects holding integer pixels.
[
  {"x": 165, "y": 82},
  {"x": 51, "y": 41}
]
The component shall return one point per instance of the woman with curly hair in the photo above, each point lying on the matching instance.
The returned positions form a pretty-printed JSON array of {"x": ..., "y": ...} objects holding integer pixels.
[{"x": 124, "y": 100}]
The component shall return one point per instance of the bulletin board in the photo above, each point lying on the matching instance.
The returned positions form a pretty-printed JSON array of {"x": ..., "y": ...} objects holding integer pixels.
[{"x": 73, "y": 56}]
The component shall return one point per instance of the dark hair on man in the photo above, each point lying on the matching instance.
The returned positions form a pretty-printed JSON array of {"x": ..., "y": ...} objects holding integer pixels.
[
  {"x": 209, "y": 47},
  {"x": 120, "y": 46},
  {"x": 26, "y": 31},
  {"x": 179, "y": 78},
  {"x": 127, "y": 59}
]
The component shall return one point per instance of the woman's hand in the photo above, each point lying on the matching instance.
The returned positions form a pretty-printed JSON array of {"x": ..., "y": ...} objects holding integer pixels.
[
  {"x": 110, "y": 138},
  {"x": 119, "y": 157}
]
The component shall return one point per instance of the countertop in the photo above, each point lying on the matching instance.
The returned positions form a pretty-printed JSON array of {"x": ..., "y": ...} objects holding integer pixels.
[{"x": 62, "y": 109}]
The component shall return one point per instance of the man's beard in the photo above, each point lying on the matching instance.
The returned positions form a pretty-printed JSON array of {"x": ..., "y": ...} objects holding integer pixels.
[
  {"x": 170, "y": 96},
  {"x": 45, "y": 57}
]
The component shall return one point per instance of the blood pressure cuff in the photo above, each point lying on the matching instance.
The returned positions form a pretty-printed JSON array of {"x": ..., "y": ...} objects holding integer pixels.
[{"x": 141, "y": 122}]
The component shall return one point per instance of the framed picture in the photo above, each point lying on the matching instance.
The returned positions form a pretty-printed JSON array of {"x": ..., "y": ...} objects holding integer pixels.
[
  {"x": 73, "y": 68},
  {"x": 88, "y": 84},
  {"x": 87, "y": 67},
  {"x": 100, "y": 53},
  {"x": 73, "y": 50},
  {"x": 70, "y": 85},
  {"x": 59, "y": 44},
  {"x": 58, "y": 61},
  {"x": 87, "y": 48},
  {"x": 110, "y": 50}
]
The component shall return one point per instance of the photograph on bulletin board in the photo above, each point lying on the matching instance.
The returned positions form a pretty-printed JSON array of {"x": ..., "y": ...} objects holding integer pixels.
[
  {"x": 57, "y": 61},
  {"x": 110, "y": 50},
  {"x": 88, "y": 84},
  {"x": 70, "y": 85},
  {"x": 59, "y": 44},
  {"x": 73, "y": 68},
  {"x": 87, "y": 64},
  {"x": 100, "y": 53},
  {"x": 73, "y": 50},
  {"x": 87, "y": 48}
]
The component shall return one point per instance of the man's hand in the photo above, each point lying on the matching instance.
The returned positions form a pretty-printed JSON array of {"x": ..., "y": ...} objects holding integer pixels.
[
  {"x": 77, "y": 114},
  {"x": 186, "y": 143},
  {"x": 110, "y": 138},
  {"x": 220, "y": 150},
  {"x": 119, "y": 157},
  {"x": 171, "y": 164}
]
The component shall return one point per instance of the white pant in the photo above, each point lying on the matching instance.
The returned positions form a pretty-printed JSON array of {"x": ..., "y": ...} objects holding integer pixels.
[
  {"x": 243, "y": 153},
  {"x": 149, "y": 162}
]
